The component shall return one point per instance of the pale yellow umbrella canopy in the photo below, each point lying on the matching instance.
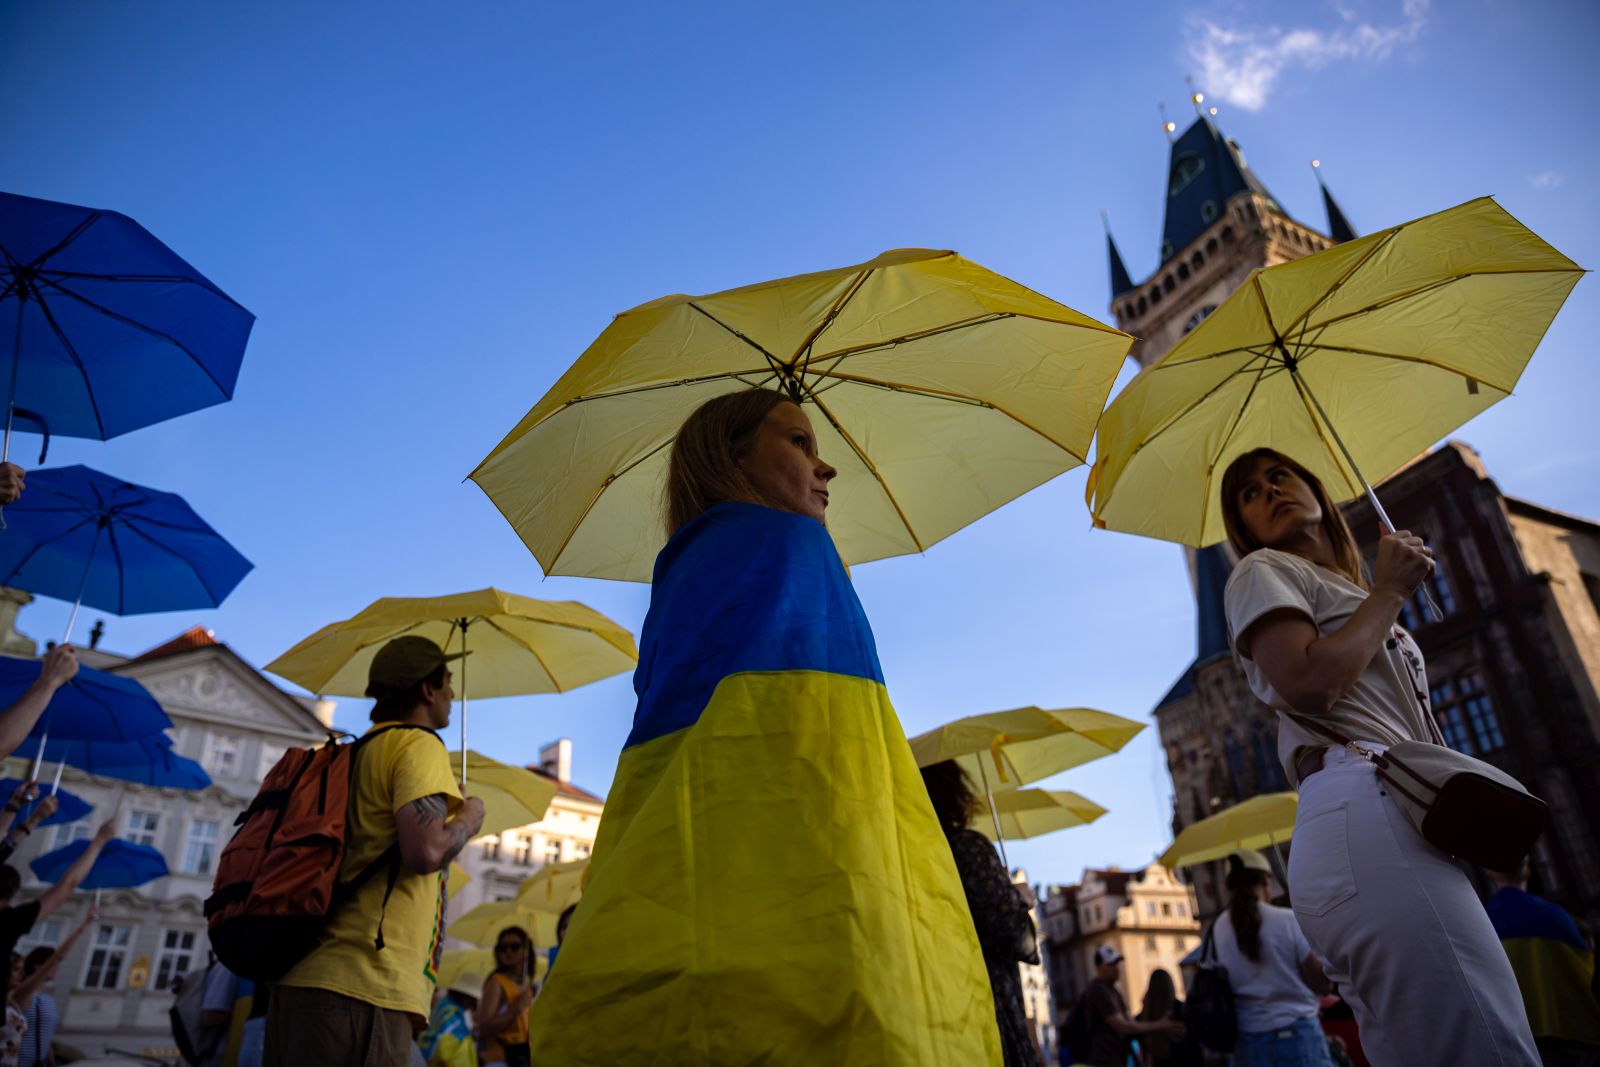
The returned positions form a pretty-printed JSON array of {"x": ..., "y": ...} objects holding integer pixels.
[
  {"x": 1002, "y": 750},
  {"x": 456, "y": 880},
  {"x": 519, "y": 645},
  {"x": 939, "y": 389},
  {"x": 512, "y": 796},
  {"x": 554, "y": 886},
  {"x": 1352, "y": 361},
  {"x": 1025, "y": 813},
  {"x": 1260, "y": 822},
  {"x": 483, "y": 924},
  {"x": 468, "y": 969}
]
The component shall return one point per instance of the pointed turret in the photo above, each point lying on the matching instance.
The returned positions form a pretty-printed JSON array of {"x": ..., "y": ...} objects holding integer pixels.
[
  {"x": 1206, "y": 172},
  {"x": 1339, "y": 227},
  {"x": 1120, "y": 282}
]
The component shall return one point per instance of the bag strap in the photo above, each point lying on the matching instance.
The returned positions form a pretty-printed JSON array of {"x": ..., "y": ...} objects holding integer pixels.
[{"x": 1208, "y": 947}]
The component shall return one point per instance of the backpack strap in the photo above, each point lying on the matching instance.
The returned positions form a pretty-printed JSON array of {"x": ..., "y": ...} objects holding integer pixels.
[{"x": 390, "y": 857}]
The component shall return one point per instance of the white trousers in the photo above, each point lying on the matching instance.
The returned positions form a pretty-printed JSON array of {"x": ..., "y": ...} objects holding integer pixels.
[{"x": 1401, "y": 929}]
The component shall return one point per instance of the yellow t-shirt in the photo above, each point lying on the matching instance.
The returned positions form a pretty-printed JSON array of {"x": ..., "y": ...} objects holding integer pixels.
[{"x": 391, "y": 771}]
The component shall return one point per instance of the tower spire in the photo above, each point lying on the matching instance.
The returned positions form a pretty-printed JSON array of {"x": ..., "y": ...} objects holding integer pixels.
[
  {"x": 1339, "y": 227},
  {"x": 1120, "y": 282}
]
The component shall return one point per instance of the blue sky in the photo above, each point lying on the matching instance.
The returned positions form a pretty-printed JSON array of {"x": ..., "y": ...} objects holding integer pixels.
[{"x": 432, "y": 210}]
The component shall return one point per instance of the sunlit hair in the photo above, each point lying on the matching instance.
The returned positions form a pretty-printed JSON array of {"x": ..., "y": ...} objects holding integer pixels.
[
  {"x": 954, "y": 801},
  {"x": 704, "y": 468},
  {"x": 1346, "y": 558}
]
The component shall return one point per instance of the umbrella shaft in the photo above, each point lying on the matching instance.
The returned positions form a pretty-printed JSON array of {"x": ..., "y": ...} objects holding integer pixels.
[
  {"x": 1383, "y": 516},
  {"x": 994, "y": 813}
]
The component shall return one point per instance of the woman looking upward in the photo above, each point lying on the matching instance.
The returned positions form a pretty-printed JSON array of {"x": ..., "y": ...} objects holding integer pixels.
[{"x": 1396, "y": 920}]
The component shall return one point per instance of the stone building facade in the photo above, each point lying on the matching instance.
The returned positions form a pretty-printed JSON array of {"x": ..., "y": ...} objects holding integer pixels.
[
  {"x": 499, "y": 863},
  {"x": 1149, "y": 915},
  {"x": 116, "y": 987}
]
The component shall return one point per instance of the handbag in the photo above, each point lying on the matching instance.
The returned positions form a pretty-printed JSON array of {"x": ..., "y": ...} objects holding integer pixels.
[
  {"x": 1462, "y": 806},
  {"x": 1209, "y": 1012}
]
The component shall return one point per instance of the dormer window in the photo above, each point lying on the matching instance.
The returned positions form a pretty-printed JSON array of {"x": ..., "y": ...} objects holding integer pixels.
[{"x": 1185, "y": 169}]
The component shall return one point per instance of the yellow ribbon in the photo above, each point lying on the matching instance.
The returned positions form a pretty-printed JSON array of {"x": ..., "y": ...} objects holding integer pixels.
[{"x": 994, "y": 753}]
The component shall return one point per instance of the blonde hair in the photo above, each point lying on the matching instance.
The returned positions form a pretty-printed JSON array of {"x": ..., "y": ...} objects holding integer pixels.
[
  {"x": 704, "y": 467},
  {"x": 1346, "y": 558}
]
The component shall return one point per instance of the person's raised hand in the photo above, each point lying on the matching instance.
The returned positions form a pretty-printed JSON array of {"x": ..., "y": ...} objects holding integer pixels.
[
  {"x": 107, "y": 831},
  {"x": 24, "y": 793},
  {"x": 472, "y": 814},
  {"x": 12, "y": 478},
  {"x": 60, "y": 665},
  {"x": 47, "y": 807},
  {"x": 1175, "y": 1029},
  {"x": 1403, "y": 562}
]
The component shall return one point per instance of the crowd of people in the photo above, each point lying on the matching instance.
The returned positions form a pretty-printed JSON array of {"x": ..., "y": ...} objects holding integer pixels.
[{"x": 774, "y": 881}]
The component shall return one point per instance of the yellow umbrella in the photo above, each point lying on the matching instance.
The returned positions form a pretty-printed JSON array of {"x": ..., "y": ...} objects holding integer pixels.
[
  {"x": 1034, "y": 812},
  {"x": 1005, "y": 749},
  {"x": 519, "y": 645},
  {"x": 1266, "y": 820},
  {"x": 1352, "y": 361},
  {"x": 483, "y": 924},
  {"x": 456, "y": 880},
  {"x": 471, "y": 967},
  {"x": 554, "y": 886},
  {"x": 511, "y": 795},
  {"x": 939, "y": 389}
]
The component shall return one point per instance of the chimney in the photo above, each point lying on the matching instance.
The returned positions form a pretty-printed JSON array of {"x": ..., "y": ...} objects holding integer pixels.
[{"x": 555, "y": 759}]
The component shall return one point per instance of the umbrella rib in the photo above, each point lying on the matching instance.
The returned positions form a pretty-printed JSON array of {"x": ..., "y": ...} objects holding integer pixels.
[
  {"x": 66, "y": 344},
  {"x": 1304, "y": 316},
  {"x": 978, "y": 320},
  {"x": 1316, "y": 424},
  {"x": 1207, "y": 395},
  {"x": 1317, "y": 346},
  {"x": 737, "y": 375},
  {"x": 827, "y": 319},
  {"x": 152, "y": 331},
  {"x": 72, "y": 235},
  {"x": 215, "y": 600},
  {"x": 1168, "y": 362},
  {"x": 777, "y": 364},
  {"x": 572, "y": 531},
  {"x": 873, "y": 470},
  {"x": 958, "y": 398},
  {"x": 23, "y": 562},
  {"x": 548, "y": 673}
]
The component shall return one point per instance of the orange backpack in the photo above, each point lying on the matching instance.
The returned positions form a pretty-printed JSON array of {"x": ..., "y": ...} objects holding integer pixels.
[{"x": 277, "y": 881}]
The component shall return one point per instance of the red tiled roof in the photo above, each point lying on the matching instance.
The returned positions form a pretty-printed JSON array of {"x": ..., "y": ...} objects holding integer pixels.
[
  {"x": 192, "y": 638},
  {"x": 567, "y": 788}
]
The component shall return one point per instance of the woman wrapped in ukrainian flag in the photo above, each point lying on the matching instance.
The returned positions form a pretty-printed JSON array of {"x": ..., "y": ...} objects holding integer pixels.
[{"x": 769, "y": 884}]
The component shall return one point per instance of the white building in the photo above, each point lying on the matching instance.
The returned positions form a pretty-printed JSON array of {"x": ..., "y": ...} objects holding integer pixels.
[
  {"x": 500, "y": 862},
  {"x": 115, "y": 989}
]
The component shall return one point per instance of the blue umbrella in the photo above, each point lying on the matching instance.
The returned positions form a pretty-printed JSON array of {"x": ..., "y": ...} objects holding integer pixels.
[
  {"x": 148, "y": 761},
  {"x": 87, "y": 537},
  {"x": 107, "y": 328},
  {"x": 73, "y": 807},
  {"x": 120, "y": 865},
  {"x": 94, "y": 706}
]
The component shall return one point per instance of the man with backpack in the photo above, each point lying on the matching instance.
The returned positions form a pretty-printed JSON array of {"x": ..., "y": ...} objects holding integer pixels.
[
  {"x": 361, "y": 993},
  {"x": 1107, "y": 1029}
]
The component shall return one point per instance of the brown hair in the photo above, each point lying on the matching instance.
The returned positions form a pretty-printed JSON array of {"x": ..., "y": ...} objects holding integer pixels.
[
  {"x": 954, "y": 801},
  {"x": 1245, "y": 907},
  {"x": 1346, "y": 558},
  {"x": 704, "y": 469}
]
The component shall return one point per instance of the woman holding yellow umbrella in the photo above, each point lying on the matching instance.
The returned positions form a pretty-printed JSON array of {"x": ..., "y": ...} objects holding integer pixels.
[{"x": 502, "y": 1019}]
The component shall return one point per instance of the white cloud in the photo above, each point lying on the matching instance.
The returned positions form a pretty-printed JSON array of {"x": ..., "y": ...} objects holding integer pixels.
[
  {"x": 1547, "y": 179},
  {"x": 1242, "y": 65}
]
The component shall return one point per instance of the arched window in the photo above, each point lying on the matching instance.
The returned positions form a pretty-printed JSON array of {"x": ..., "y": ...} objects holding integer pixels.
[
  {"x": 1197, "y": 261},
  {"x": 1167, "y": 284},
  {"x": 1183, "y": 272},
  {"x": 1185, "y": 169}
]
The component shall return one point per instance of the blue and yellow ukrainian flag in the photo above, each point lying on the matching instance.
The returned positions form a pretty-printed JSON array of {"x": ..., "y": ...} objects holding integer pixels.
[
  {"x": 1553, "y": 964},
  {"x": 769, "y": 884}
]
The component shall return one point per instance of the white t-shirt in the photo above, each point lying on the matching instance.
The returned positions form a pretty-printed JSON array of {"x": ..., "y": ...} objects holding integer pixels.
[
  {"x": 1268, "y": 993},
  {"x": 1389, "y": 701}
]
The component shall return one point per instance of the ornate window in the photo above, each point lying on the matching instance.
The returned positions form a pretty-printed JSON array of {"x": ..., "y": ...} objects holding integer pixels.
[
  {"x": 200, "y": 855},
  {"x": 1466, "y": 714},
  {"x": 222, "y": 755},
  {"x": 177, "y": 956},
  {"x": 107, "y": 957},
  {"x": 1185, "y": 169},
  {"x": 142, "y": 827}
]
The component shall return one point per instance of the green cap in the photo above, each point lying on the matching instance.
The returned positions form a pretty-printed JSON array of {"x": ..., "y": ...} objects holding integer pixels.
[{"x": 405, "y": 661}]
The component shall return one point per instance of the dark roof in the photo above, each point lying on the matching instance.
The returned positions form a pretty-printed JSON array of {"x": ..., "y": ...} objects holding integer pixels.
[
  {"x": 567, "y": 788},
  {"x": 1116, "y": 881},
  {"x": 1206, "y": 169},
  {"x": 1120, "y": 282},
  {"x": 1339, "y": 227}
]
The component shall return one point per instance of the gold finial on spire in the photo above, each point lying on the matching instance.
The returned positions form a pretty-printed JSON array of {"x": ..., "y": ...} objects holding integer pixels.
[
  {"x": 1167, "y": 125},
  {"x": 1196, "y": 97}
]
